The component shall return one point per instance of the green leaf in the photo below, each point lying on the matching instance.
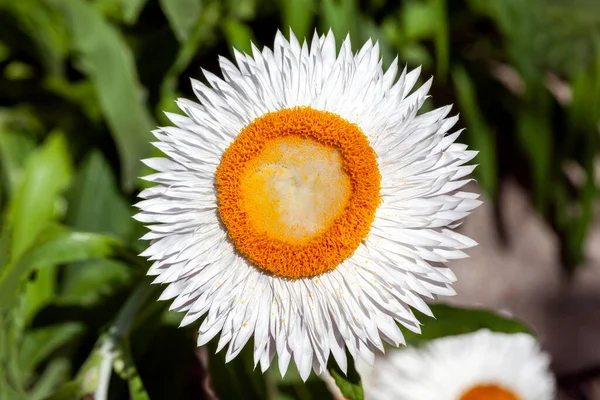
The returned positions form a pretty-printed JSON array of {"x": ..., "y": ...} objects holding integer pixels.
[
  {"x": 14, "y": 149},
  {"x": 47, "y": 174},
  {"x": 535, "y": 137},
  {"x": 106, "y": 59},
  {"x": 479, "y": 133},
  {"x": 4, "y": 51},
  {"x": 449, "y": 321},
  {"x": 55, "y": 248},
  {"x": 298, "y": 15},
  {"x": 67, "y": 391},
  {"x": 418, "y": 20},
  {"x": 238, "y": 35},
  {"x": 182, "y": 16},
  {"x": 204, "y": 33},
  {"x": 11, "y": 329},
  {"x": 55, "y": 373},
  {"x": 87, "y": 283},
  {"x": 132, "y": 9},
  {"x": 81, "y": 93},
  {"x": 341, "y": 17},
  {"x": 292, "y": 387},
  {"x": 40, "y": 21},
  {"x": 238, "y": 378},
  {"x": 95, "y": 204},
  {"x": 39, "y": 291},
  {"x": 350, "y": 383},
  {"x": 39, "y": 343},
  {"x": 442, "y": 40}
]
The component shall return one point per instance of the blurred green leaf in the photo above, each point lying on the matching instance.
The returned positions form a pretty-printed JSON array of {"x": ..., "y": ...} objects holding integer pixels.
[
  {"x": 86, "y": 283},
  {"x": 81, "y": 93},
  {"x": 182, "y": 16},
  {"x": 479, "y": 133},
  {"x": 45, "y": 27},
  {"x": 534, "y": 134},
  {"x": 584, "y": 109},
  {"x": 67, "y": 391},
  {"x": 95, "y": 204},
  {"x": 39, "y": 291},
  {"x": 341, "y": 17},
  {"x": 54, "y": 373},
  {"x": 450, "y": 321},
  {"x": 14, "y": 149},
  {"x": 241, "y": 9},
  {"x": 236, "y": 379},
  {"x": 55, "y": 247},
  {"x": 106, "y": 59},
  {"x": 442, "y": 40},
  {"x": 4, "y": 51},
  {"x": 17, "y": 70},
  {"x": 239, "y": 35},
  {"x": 39, "y": 343},
  {"x": 575, "y": 217},
  {"x": 418, "y": 20},
  {"x": 132, "y": 10},
  {"x": 350, "y": 383},
  {"x": 298, "y": 15},
  {"x": 47, "y": 173},
  {"x": 11, "y": 329},
  {"x": 204, "y": 33}
]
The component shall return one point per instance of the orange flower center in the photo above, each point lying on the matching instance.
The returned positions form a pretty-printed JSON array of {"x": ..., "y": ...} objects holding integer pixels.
[
  {"x": 489, "y": 392},
  {"x": 298, "y": 190}
]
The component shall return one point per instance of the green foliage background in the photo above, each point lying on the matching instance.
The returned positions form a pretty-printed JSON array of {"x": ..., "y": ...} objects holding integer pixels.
[{"x": 82, "y": 84}]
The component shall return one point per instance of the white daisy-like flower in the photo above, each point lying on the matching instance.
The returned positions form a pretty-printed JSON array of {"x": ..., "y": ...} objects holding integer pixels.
[
  {"x": 305, "y": 203},
  {"x": 483, "y": 365}
]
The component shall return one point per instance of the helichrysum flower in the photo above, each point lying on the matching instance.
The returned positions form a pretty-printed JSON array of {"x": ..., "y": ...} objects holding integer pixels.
[
  {"x": 482, "y": 365},
  {"x": 305, "y": 203}
]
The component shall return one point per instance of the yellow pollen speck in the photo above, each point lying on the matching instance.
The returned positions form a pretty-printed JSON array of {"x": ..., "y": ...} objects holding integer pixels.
[
  {"x": 298, "y": 190},
  {"x": 245, "y": 325}
]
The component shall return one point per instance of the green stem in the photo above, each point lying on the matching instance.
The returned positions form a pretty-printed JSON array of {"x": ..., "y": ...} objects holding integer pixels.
[{"x": 117, "y": 331}]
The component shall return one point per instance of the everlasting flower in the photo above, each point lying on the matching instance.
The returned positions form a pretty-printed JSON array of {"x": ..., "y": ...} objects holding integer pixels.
[
  {"x": 478, "y": 366},
  {"x": 305, "y": 203}
]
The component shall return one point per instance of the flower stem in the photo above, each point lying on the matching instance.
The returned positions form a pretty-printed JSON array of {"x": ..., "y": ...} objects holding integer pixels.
[{"x": 117, "y": 331}]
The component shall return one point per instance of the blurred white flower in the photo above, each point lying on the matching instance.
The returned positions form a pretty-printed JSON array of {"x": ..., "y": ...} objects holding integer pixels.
[
  {"x": 304, "y": 202},
  {"x": 482, "y": 365}
]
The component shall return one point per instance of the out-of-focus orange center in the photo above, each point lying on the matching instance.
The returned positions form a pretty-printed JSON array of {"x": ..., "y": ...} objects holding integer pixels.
[
  {"x": 298, "y": 190},
  {"x": 489, "y": 392}
]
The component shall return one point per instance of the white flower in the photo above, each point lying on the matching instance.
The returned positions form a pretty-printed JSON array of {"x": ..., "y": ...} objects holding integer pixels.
[
  {"x": 478, "y": 366},
  {"x": 305, "y": 203}
]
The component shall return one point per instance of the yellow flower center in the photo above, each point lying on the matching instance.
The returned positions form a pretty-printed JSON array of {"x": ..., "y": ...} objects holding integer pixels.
[
  {"x": 298, "y": 190},
  {"x": 295, "y": 188},
  {"x": 489, "y": 392}
]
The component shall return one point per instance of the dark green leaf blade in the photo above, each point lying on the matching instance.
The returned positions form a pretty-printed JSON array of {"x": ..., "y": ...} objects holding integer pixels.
[
  {"x": 47, "y": 174},
  {"x": 350, "y": 383},
  {"x": 449, "y": 320},
  {"x": 95, "y": 204},
  {"x": 182, "y": 16},
  {"x": 107, "y": 60},
  {"x": 40, "y": 343},
  {"x": 479, "y": 133},
  {"x": 298, "y": 15},
  {"x": 55, "y": 248}
]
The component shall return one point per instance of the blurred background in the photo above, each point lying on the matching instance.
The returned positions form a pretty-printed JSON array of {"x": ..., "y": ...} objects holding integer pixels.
[{"x": 82, "y": 84}]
